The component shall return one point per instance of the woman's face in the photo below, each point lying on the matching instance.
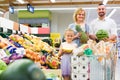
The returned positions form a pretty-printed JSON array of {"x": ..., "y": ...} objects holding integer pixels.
[
  {"x": 80, "y": 16},
  {"x": 69, "y": 36}
]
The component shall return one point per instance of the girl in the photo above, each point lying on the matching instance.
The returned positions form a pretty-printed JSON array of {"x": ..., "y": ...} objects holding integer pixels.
[{"x": 66, "y": 52}]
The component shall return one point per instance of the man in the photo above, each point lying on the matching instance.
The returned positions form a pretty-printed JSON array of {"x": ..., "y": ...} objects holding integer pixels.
[
  {"x": 102, "y": 22},
  {"x": 107, "y": 24}
]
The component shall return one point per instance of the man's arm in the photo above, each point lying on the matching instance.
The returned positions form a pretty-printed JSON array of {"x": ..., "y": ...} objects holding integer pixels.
[{"x": 113, "y": 35}]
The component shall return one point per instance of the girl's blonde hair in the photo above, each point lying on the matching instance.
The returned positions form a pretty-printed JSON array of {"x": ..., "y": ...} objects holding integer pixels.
[
  {"x": 77, "y": 11},
  {"x": 68, "y": 29}
]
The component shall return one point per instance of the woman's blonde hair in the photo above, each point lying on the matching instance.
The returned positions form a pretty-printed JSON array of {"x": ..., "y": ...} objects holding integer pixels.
[{"x": 77, "y": 11}]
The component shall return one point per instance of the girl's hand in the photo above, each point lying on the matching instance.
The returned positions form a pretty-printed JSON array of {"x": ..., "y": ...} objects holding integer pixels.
[{"x": 58, "y": 57}]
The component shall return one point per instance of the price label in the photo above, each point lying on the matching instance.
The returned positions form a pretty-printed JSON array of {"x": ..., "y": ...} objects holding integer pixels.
[
  {"x": 2, "y": 54},
  {"x": 20, "y": 51}
]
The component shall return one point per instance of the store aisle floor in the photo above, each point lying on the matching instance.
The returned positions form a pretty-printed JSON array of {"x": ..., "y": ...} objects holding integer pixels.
[{"x": 117, "y": 72}]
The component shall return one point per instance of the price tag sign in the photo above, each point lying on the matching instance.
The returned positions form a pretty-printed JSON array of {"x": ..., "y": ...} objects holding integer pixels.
[
  {"x": 2, "y": 54},
  {"x": 20, "y": 51}
]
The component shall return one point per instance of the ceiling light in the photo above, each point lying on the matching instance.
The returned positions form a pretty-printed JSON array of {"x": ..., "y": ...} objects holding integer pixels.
[
  {"x": 53, "y": 1},
  {"x": 30, "y": 8},
  {"x": 105, "y": 2},
  {"x": 21, "y": 1},
  {"x": 11, "y": 9},
  {"x": 112, "y": 12}
]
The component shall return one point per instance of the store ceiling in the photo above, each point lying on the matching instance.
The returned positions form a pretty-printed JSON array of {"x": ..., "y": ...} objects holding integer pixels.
[
  {"x": 39, "y": 4},
  {"x": 4, "y": 4}
]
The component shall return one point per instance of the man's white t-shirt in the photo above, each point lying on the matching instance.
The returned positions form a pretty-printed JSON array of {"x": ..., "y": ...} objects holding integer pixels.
[{"x": 107, "y": 24}]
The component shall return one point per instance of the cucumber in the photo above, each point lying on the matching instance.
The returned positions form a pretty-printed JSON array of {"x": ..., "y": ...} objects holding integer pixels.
[{"x": 22, "y": 69}]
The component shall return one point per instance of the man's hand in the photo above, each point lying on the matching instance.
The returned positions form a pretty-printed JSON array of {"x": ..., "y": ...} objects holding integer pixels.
[
  {"x": 113, "y": 37},
  {"x": 105, "y": 39},
  {"x": 93, "y": 37}
]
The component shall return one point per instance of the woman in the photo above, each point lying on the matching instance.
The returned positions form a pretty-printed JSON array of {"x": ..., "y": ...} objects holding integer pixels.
[{"x": 79, "y": 19}]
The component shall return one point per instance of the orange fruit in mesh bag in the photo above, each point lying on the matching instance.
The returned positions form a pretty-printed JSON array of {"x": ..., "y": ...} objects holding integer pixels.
[{"x": 100, "y": 58}]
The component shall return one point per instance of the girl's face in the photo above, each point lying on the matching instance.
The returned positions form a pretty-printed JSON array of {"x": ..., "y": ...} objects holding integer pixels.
[
  {"x": 69, "y": 36},
  {"x": 80, "y": 16}
]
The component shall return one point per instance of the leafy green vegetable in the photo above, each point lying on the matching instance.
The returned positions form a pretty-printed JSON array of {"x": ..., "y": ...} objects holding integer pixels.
[
  {"x": 3, "y": 66},
  {"x": 83, "y": 37}
]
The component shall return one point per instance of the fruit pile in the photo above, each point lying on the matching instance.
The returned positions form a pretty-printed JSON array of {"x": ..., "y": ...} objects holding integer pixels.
[
  {"x": 28, "y": 46},
  {"x": 31, "y": 42}
]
